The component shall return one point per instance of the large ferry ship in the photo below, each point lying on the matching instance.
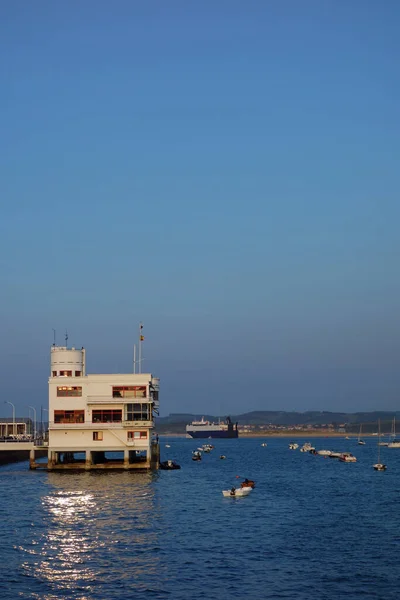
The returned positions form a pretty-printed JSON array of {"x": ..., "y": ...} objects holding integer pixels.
[{"x": 207, "y": 429}]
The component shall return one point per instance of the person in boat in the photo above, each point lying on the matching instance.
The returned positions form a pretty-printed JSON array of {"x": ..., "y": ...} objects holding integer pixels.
[
  {"x": 233, "y": 492},
  {"x": 247, "y": 483}
]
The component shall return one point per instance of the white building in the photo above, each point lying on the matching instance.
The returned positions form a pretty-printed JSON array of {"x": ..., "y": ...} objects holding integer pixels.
[
  {"x": 91, "y": 415},
  {"x": 20, "y": 426}
]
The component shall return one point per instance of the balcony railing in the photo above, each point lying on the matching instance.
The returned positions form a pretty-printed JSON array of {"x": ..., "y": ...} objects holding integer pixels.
[
  {"x": 112, "y": 400},
  {"x": 138, "y": 423},
  {"x": 100, "y": 425}
]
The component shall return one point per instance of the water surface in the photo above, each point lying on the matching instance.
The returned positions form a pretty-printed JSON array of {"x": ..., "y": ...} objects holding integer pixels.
[{"x": 312, "y": 528}]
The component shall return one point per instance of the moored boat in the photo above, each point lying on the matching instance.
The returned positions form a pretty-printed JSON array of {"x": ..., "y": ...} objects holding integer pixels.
[
  {"x": 347, "y": 457},
  {"x": 394, "y": 444},
  {"x": 307, "y": 447},
  {"x": 235, "y": 492},
  {"x": 248, "y": 483},
  {"x": 207, "y": 447},
  {"x": 378, "y": 466},
  {"x": 169, "y": 465}
]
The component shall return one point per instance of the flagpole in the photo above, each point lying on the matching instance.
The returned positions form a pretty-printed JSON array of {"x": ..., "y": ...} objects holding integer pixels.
[
  {"x": 140, "y": 347},
  {"x": 134, "y": 358}
]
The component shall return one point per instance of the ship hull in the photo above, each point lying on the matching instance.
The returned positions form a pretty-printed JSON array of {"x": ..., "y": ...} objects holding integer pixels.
[{"x": 212, "y": 434}]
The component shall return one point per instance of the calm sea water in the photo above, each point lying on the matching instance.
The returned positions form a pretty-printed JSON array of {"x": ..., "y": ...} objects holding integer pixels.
[{"x": 312, "y": 528}]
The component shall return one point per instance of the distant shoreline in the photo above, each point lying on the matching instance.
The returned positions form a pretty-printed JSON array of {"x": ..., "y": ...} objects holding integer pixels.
[
  {"x": 305, "y": 434},
  {"x": 294, "y": 434}
]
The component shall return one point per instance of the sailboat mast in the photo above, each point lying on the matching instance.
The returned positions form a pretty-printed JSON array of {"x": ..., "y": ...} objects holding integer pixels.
[{"x": 379, "y": 437}]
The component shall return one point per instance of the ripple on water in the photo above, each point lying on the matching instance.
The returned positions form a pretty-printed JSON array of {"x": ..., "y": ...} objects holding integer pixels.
[{"x": 313, "y": 527}]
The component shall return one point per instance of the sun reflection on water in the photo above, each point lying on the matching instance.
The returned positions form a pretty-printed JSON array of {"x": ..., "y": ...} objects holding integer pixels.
[{"x": 96, "y": 529}]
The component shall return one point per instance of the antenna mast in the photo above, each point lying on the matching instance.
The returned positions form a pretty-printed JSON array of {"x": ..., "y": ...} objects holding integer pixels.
[
  {"x": 66, "y": 338},
  {"x": 141, "y": 338},
  {"x": 54, "y": 337}
]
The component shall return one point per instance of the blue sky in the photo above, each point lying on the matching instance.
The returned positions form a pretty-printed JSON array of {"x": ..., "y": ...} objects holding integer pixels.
[{"x": 226, "y": 172}]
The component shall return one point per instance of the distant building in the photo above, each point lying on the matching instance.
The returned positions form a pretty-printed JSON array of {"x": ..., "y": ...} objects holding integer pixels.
[{"x": 21, "y": 426}]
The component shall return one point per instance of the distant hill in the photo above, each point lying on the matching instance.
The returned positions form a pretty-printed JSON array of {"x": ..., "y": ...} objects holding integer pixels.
[{"x": 176, "y": 422}]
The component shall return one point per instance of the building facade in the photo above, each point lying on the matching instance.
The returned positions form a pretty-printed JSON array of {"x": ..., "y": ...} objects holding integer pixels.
[
  {"x": 100, "y": 421},
  {"x": 21, "y": 426}
]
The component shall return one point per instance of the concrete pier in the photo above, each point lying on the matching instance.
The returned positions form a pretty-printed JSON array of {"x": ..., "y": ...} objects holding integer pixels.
[
  {"x": 155, "y": 455},
  {"x": 88, "y": 460},
  {"x": 61, "y": 460},
  {"x": 20, "y": 451}
]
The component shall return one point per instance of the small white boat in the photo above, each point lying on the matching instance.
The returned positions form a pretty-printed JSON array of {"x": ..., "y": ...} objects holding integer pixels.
[
  {"x": 360, "y": 442},
  {"x": 293, "y": 446},
  {"x": 264, "y": 445},
  {"x": 169, "y": 465},
  {"x": 380, "y": 467},
  {"x": 234, "y": 492},
  {"x": 167, "y": 446},
  {"x": 206, "y": 447},
  {"x": 394, "y": 444},
  {"x": 222, "y": 456},
  {"x": 324, "y": 452},
  {"x": 347, "y": 457},
  {"x": 307, "y": 447}
]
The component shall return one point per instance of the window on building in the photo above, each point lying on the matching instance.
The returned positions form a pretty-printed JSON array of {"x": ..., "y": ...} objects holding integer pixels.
[
  {"x": 69, "y": 416},
  {"x": 97, "y": 436},
  {"x": 137, "y": 435},
  {"x": 54, "y": 373},
  {"x": 107, "y": 416},
  {"x": 65, "y": 373},
  {"x": 78, "y": 373},
  {"x": 138, "y": 412},
  {"x": 68, "y": 390},
  {"x": 129, "y": 391}
]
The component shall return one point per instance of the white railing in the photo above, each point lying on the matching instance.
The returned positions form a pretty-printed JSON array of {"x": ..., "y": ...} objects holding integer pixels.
[
  {"x": 94, "y": 425},
  {"x": 112, "y": 400},
  {"x": 138, "y": 423}
]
